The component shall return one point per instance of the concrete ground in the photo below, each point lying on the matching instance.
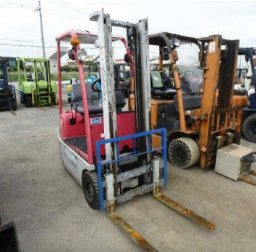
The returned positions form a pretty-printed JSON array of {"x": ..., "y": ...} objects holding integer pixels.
[{"x": 51, "y": 213}]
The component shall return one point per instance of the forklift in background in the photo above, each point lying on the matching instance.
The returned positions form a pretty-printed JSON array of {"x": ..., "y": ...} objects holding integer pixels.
[
  {"x": 8, "y": 238},
  {"x": 35, "y": 85},
  {"x": 8, "y": 99},
  {"x": 122, "y": 78},
  {"x": 198, "y": 123},
  {"x": 106, "y": 149},
  {"x": 249, "y": 113}
]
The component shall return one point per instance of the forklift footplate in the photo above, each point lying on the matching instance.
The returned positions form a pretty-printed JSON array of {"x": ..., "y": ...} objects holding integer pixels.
[
  {"x": 78, "y": 142},
  {"x": 250, "y": 178},
  {"x": 132, "y": 233},
  {"x": 184, "y": 211}
]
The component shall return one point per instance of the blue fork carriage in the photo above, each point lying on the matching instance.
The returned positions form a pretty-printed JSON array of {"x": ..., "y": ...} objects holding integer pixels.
[{"x": 135, "y": 153}]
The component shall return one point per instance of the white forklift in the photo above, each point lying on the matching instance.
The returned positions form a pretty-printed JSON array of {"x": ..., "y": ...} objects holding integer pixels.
[{"x": 108, "y": 150}]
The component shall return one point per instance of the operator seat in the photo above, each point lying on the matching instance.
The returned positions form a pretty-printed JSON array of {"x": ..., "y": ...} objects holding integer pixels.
[
  {"x": 94, "y": 100},
  {"x": 189, "y": 101},
  {"x": 158, "y": 90}
]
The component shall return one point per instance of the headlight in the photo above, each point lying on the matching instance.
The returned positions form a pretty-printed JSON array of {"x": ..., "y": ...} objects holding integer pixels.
[{"x": 176, "y": 42}]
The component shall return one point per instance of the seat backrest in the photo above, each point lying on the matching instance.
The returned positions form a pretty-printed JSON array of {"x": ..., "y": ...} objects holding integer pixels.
[
  {"x": 94, "y": 98},
  {"x": 76, "y": 93},
  {"x": 156, "y": 79}
]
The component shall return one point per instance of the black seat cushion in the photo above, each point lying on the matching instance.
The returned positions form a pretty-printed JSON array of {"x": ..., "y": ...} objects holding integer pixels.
[
  {"x": 189, "y": 101},
  {"x": 93, "y": 109},
  {"x": 163, "y": 93}
]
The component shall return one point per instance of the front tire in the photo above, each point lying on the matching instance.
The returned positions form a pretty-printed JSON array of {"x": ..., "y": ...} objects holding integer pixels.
[
  {"x": 183, "y": 152},
  {"x": 91, "y": 190},
  {"x": 249, "y": 128}
]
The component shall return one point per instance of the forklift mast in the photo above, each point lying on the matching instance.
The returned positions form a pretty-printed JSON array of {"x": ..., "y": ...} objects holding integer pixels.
[
  {"x": 227, "y": 73},
  {"x": 4, "y": 63},
  {"x": 220, "y": 119},
  {"x": 141, "y": 161},
  {"x": 138, "y": 43},
  {"x": 7, "y": 91},
  {"x": 3, "y": 66}
]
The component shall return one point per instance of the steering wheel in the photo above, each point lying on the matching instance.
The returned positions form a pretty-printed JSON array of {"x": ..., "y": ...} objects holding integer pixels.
[
  {"x": 166, "y": 80},
  {"x": 96, "y": 85}
]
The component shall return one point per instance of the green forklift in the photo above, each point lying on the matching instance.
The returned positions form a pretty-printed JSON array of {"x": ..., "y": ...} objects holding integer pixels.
[{"x": 35, "y": 85}]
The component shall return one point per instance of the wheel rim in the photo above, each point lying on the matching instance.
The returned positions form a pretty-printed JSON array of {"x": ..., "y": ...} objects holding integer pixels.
[
  {"x": 179, "y": 155},
  {"x": 89, "y": 192}
]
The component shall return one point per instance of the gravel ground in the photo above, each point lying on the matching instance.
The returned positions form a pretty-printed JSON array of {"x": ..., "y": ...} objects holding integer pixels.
[{"x": 51, "y": 214}]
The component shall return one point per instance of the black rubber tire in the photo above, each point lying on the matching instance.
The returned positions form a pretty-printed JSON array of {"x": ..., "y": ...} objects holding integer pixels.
[
  {"x": 27, "y": 99},
  {"x": 183, "y": 152},
  {"x": 91, "y": 190},
  {"x": 21, "y": 98},
  {"x": 14, "y": 104},
  {"x": 53, "y": 99},
  {"x": 249, "y": 128}
]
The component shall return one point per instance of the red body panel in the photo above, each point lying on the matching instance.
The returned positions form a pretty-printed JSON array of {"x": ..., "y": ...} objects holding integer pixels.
[
  {"x": 67, "y": 130},
  {"x": 83, "y": 127},
  {"x": 125, "y": 126}
]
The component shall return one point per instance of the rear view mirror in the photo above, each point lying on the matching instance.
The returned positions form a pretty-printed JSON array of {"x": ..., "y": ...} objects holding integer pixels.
[
  {"x": 81, "y": 54},
  {"x": 176, "y": 42}
]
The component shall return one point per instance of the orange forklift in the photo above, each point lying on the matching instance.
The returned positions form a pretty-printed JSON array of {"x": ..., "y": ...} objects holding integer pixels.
[{"x": 201, "y": 121}]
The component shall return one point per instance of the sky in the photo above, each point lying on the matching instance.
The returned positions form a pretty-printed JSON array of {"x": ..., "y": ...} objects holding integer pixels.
[{"x": 20, "y": 26}]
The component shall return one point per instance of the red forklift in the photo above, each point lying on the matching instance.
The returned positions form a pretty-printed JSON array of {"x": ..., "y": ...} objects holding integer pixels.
[{"x": 106, "y": 149}]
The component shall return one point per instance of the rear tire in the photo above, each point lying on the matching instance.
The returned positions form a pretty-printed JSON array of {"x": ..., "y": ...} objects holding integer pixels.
[
  {"x": 183, "y": 152},
  {"x": 21, "y": 98},
  {"x": 249, "y": 128},
  {"x": 91, "y": 190},
  {"x": 27, "y": 99},
  {"x": 53, "y": 99},
  {"x": 14, "y": 104}
]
